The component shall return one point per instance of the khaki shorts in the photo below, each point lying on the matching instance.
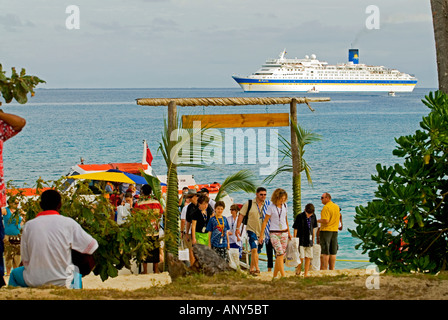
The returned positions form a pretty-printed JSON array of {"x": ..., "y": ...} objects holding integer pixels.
[
  {"x": 187, "y": 241},
  {"x": 306, "y": 252}
]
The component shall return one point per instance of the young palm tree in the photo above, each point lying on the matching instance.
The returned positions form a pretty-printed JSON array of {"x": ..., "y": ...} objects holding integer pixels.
[
  {"x": 304, "y": 137},
  {"x": 172, "y": 143}
]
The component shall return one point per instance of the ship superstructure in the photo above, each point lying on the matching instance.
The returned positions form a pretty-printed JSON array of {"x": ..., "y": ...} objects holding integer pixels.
[{"x": 312, "y": 75}]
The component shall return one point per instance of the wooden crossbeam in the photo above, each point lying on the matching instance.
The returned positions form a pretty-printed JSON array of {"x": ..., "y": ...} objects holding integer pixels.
[
  {"x": 225, "y": 101},
  {"x": 237, "y": 120}
]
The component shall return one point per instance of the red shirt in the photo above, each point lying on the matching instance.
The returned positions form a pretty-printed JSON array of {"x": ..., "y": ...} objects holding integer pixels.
[
  {"x": 154, "y": 205},
  {"x": 47, "y": 213},
  {"x": 6, "y": 132}
]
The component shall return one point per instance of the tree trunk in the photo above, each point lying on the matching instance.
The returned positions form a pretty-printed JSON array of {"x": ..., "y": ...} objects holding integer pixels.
[
  {"x": 171, "y": 224},
  {"x": 296, "y": 187},
  {"x": 440, "y": 21}
]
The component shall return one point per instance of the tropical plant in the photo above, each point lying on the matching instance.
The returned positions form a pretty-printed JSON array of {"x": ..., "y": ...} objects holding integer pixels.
[
  {"x": 304, "y": 137},
  {"x": 17, "y": 86},
  {"x": 406, "y": 227},
  {"x": 177, "y": 152},
  {"x": 119, "y": 245},
  {"x": 243, "y": 180}
]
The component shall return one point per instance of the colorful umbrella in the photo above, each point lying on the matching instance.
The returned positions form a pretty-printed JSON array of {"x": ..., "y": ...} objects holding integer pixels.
[
  {"x": 122, "y": 177},
  {"x": 136, "y": 178}
]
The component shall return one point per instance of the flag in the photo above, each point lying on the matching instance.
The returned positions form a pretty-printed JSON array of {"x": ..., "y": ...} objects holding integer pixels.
[{"x": 148, "y": 155}]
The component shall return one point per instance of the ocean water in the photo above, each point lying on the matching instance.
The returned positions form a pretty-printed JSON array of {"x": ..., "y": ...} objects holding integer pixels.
[{"x": 106, "y": 125}]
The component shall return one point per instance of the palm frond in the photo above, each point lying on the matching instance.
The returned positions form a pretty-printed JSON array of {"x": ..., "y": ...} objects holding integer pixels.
[
  {"x": 304, "y": 137},
  {"x": 272, "y": 176},
  {"x": 154, "y": 182},
  {"x": 307, "y": 170},
  {"x": 243, "y": 180},
  {"x": 174, "y": 145}
]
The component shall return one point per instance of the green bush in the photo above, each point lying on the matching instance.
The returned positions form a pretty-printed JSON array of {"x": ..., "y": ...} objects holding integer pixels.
[{"x": 406, "y": 227}]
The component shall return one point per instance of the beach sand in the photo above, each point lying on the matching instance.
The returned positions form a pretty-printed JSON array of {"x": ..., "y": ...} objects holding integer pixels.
[
  {"x": 132, "y": 281},
  {"x": 351, "y": 286},
  {"x": 129, "y": 282}
]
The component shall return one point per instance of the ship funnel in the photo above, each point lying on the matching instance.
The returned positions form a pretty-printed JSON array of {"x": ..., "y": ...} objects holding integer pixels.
[{"x": 353, "y": 56}]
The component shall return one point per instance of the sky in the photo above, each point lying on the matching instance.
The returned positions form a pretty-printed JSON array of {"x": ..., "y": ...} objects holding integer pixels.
[{"x": 201, "y": 43}]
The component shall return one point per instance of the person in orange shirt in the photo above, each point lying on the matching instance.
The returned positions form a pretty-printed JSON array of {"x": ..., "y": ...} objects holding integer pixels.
[{"x": 330, "y": 218}]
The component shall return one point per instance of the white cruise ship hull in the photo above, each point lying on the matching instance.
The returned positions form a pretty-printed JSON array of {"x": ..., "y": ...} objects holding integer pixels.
[{"x": 256, "y": 85}]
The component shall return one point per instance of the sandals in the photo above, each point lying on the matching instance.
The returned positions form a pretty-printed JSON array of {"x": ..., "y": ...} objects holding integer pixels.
[{"x": 254, "y": 272}]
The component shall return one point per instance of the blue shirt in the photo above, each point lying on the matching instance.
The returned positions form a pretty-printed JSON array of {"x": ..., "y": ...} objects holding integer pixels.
[
  {"x": 12, "y": 226},
  {"x": 217, "y": 233}
]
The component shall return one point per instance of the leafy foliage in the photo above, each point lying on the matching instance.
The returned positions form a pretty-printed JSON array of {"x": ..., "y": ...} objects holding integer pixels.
[
  {"x": 406, "y": 227},
  {"x": 17, "y": 86},
  {"x": 119, "y": 245}
]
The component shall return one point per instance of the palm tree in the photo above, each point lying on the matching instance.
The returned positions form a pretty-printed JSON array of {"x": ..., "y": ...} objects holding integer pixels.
[
  {"x": 173, "y": 141},
  {"x": 304, "y": 137}
]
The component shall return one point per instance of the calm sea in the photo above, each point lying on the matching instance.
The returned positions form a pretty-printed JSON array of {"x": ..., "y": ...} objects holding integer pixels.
[{"x": 106, "y": 125}]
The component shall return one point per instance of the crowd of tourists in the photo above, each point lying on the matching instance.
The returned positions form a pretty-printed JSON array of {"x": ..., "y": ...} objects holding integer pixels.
[
  {"x": 263, "y": 222},
  {"x": 44, "y": 246}
]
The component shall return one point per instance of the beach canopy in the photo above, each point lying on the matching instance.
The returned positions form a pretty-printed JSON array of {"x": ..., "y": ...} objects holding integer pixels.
[
  {"x": 112, "y": 176},
  {"x": 136, "y": 178}
]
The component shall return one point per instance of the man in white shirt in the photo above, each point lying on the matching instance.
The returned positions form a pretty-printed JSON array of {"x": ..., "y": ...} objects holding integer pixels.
[{"x": 46, "y": 246}]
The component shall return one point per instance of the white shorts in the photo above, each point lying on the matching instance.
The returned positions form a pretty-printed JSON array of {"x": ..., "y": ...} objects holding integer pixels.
[{"x": 306, "y": 252}]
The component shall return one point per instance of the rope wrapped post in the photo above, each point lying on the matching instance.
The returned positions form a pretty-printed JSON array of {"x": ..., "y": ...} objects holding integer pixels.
[
  {"x": 171, "y": 217},
  {"x": 296, "y": 183}
]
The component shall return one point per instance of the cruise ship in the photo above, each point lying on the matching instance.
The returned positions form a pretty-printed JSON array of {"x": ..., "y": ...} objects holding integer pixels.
[{"x": 312, "y": 75}]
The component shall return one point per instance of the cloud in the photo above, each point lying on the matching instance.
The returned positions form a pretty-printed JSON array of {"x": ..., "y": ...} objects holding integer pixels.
[
  {"x": 13, "y": 23},
  {"x": 399, "y": 18},
  {"x": 202, "y": 42}
]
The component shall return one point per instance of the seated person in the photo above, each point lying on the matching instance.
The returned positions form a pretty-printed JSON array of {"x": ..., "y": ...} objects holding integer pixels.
[{"x": 47, "y": 244}]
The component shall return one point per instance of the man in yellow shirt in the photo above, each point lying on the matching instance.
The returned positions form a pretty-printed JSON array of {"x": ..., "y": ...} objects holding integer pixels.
[{"x": 330, "y": 217}]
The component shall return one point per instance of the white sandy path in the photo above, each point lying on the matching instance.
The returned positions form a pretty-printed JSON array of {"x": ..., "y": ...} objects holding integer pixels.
[
  {"x": 127, "y": 281},
  {"x": 134, "y": 281}
]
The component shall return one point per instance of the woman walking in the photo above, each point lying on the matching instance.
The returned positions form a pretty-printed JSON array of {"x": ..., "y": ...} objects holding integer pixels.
[{"x": 279, "y": 228}]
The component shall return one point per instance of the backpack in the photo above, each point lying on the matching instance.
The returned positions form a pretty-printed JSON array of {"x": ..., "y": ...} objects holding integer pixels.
[{"x": 246, "y": 217}]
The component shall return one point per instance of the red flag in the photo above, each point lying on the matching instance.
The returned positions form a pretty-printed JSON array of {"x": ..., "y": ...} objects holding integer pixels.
[{"x": 148, "y": 155}]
